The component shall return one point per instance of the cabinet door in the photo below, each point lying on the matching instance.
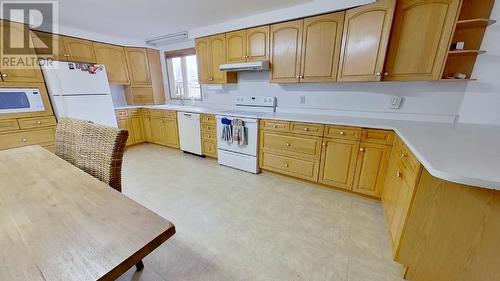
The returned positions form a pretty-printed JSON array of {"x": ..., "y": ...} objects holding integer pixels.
[
  {"x": 338, "y": 163},
  {"x": 138, "y": 66},
  {"x": 14, "y": 67},
  {"x": 157, "y": 88},
  {"x": 172, "y": 135},
  {"x": 286, "y": 50},
  {"x": 218, "y": 57},
  {"x": 139, "y": 95},
  {"x": 203, "y": 57},
  {"x": 124, "y": 125},
  {"x": 79, "y": 50},
  {"x": 401, "y": 208},
  {"x": 321, "y": 47},
  {"x": 135, "y": 125},
  {"x": 146, "y": 128},
  {"x": 392, "y": 181},
  {"x": 158, "y": 130},
  {"x": 236, "y": 46},
  {"x": 42, "y": 41},
  {"x": 371, "y": 168},
  {"x": 420, "y": 39},
  {"x": 364, "y": 43},
  {"x": 113, "y": 58},
  {"x": 257, "y": 43}
]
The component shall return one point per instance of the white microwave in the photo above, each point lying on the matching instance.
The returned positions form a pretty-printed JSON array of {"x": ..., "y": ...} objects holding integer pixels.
[{"x": 16, "y": 100}]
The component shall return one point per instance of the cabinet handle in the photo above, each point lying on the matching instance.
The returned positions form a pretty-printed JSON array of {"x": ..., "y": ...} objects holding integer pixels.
[
  {"x": 362, "y": 150},
  {"x": 298, "y": 76},
  {"x": 403, "y": 155},
  {"x": 379, "y": 74},
  {"x": 306, "y": 129},
  {"x": 324, "y": 144},
  {"x": 399, "y": 174},
  {"x": 39, "y": 122},
  {"x": 275, "y": 126},
  {"x": 286, "y": 165},
  {"x": 4, "y": 75},
  {"x": 387, "y": 73},
  {"x": 24, "y": 139},
  {"x": 287, "y": 144},
  {"x": 342, "y": 133}
]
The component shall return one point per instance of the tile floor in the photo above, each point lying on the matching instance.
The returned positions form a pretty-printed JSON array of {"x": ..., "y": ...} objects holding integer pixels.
[{"x": 232, "y": 225}]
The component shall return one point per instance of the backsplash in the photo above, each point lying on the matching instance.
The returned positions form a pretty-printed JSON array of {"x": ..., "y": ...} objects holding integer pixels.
[{"x": 436, "y": 101}]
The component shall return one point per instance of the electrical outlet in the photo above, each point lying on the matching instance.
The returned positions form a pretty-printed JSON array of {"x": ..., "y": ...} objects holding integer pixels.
[
  {"x": 396, "y": 102},
  {"x": 302, "y": 99}
]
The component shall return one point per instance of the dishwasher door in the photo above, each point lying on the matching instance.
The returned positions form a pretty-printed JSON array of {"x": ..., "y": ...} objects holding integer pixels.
[{"x": 189, "y": 132}]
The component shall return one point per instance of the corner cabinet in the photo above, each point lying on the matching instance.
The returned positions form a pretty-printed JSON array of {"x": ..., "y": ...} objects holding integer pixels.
[
  {"x": 307, "y": 50},
  {"x": 211, "y": 53},
  {"x": 421, "y": 36},
  {"x": 365, "y": 40}
]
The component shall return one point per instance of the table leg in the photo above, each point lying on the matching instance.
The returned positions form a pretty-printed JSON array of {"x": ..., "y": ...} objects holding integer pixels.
[{"x": 139, "y": 266}]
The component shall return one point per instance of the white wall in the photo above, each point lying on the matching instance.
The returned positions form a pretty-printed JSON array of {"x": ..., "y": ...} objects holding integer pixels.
[{"x": 481, "y": 103}]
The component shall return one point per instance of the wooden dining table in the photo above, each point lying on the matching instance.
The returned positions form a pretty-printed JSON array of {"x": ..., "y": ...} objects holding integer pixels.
[{"x": 59, "y": 223}]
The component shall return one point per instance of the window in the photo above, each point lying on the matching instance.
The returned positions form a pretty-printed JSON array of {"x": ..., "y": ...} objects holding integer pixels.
[{"x": 182, "y": 71}]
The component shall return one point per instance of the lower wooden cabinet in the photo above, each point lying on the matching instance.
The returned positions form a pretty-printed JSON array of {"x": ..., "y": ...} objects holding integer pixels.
[
  {"x": 165, "y": 131},
  {"x": 209, "y": 135},
  {"x": 28, "y": 131},
  {"x": 371, "y": 168},
  {"x": 295, "y": 167},
  {"x": 338, "y": 163}
]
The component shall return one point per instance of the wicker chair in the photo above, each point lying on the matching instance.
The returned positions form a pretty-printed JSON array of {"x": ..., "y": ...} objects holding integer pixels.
[{"x": 96, "y": 149}]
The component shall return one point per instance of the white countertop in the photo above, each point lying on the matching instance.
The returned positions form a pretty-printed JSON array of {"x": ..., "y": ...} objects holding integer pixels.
[{"x": 462, "y": 153}]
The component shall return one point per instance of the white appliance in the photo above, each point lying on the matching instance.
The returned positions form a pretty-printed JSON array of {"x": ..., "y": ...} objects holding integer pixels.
[
  {"x": 245, "y": 66},
  {"x": 189, "y": 132},
  {"x": 249, "y": 110},
  {"x": 15, "y": 100},
  {"x": 81, "y": 91}
]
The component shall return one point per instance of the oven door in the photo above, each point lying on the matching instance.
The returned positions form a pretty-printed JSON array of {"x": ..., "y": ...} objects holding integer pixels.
[
  {"x": 252, "y": 128},
  {"x": 20, "y": 100}
]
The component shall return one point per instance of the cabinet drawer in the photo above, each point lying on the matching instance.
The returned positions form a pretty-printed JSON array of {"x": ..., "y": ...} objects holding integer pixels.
[
  {"x": 307, "y": 129},
  {"x": 40, "y": 122},
  {"x": 121, "y": 113},
  {"x": 156, "y": 112},
  {"x": 8, "y": 125},
  {"x": 169, "y": 114},
  {"x": 377, "y": 136},
  {"x": 275, "y": 125},
  {"x": 209, "y": 148},
  {"x": 44, "y": 137},
  {"x": 342, "y": 132},
  {"x": 208, "y": 118},
  {"x": 299, "y": 168},
  {"x": 133, "y": 112},
  {"x": 210, "y": 128},
  {"x": 144, "y": 112},
  {"x": 299, "y": 146},
  {"x": 211, "y": 136}
]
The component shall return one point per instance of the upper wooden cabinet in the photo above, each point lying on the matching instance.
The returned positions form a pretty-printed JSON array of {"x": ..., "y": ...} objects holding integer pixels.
[
  {"x": 306, "y": 50},
  {"x": 421, "y": 36},
  {"x": 138, "y": 66},
  {"x": 211, "y": 53},
  {"x": 365, "y": 39},
  {"x": 286, "y": 50},
  {"x": 248, "y": 45},
  {"x": 321, "y": 47},
  {"x": 79, "y": 50},
  {"x": 114, "y": 59}
]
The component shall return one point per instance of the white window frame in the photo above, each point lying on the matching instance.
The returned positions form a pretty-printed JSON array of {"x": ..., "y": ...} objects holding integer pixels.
[{"x": 171, "y": 81}]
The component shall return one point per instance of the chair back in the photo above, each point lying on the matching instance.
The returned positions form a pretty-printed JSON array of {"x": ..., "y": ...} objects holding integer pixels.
[{"x": 96, "y": 149}]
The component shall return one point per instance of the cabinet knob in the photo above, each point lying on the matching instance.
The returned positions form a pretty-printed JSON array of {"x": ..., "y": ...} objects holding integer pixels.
[
  {"x": 386, "y": 73},
  {"x": 324, "y": 144},
  {"x": 275, "y": 126},
  {"x": 39, "y": 122},
  {"x": 287, "y": 144},
  {"x": 403, "y": 155},
  {"x": 4, "y": 75},
  {"x": 362, "y": 149},
  {"x": 379, "y": 74},
  {"x": 399, "y": 174},
  {"x": 24, "y": 139},
  {"x": 286, "y": 165},
  {"x": 298, "y": 76},
  {"x": 342, "y": 133},
  {"x": 306, "y": 129}
]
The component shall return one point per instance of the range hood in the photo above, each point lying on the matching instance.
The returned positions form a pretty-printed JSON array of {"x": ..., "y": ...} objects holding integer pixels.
[{"x": 245, "y": 66}]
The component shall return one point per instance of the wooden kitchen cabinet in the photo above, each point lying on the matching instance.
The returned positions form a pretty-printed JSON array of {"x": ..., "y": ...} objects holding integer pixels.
[
  {"x": 420, "y": 40},
  {"x": 338, "y": 163},
  {"x": 78, "y": 50},
  {"x": 165, "y": 131},
  {"x": 286, "y": 50},
  {"x": 365, "y": 40},
  {"x": 172, "y": 133},
  {"x": 114, "y": 59},
  {"x": 135, "y": 125},
  {"x": 146, "y": 125},
  {"x": 41, "y": 40},
  {"x": 211, "y": 53},
  {"x": 371, "y": 168},
  {"x": 248, "y": 45},
  {"x": 321, "y": 46},
  {"x": 209, "y": 135},
  {"x": 138, "y": 66}
]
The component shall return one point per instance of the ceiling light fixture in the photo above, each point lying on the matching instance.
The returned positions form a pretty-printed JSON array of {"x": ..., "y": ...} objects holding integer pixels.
[{"x": 168, "y": 38}]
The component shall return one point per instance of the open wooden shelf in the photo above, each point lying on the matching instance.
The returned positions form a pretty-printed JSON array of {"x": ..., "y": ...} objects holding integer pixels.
[
  {"x": 475, "y": 23},
  {"x": 457, "y": 80},
  {"x": 465, "y": 52}
]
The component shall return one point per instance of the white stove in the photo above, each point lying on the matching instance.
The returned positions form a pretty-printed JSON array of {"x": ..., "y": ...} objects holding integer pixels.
[{"x": 243, "y": 156}]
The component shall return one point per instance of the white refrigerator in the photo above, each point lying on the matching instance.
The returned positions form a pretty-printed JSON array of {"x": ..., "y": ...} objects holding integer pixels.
[{"x": 81, "y": 91}]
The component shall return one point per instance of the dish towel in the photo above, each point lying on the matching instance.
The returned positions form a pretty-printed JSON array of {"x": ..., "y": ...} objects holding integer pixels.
[
  {"x": 227, "y": 130},
  {"x": 239, "y": 132}
]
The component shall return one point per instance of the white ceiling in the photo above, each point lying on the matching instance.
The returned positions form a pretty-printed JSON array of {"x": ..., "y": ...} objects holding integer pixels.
[{"x": 143, "y": 19}]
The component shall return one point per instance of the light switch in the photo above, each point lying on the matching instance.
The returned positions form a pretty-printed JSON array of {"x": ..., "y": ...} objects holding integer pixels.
[{"x": 396, "y": 102}]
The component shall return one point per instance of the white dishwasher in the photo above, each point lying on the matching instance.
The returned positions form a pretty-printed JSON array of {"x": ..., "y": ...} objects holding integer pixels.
[{"x": 189, "y": 132}]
